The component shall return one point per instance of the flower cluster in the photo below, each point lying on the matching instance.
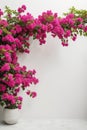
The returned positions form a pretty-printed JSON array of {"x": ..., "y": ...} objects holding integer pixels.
[
  {"x": 13, "y": 78},
  {"x": 16, "y": 28},
  {"x": 67, "y": 27}
]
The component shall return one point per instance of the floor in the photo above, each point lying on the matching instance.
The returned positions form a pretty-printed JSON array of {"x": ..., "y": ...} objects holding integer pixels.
[{"x": 45, "y": 124}]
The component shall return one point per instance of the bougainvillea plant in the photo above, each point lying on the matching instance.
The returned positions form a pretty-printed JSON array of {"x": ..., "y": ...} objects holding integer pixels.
[{"x": 16, "y": 28}]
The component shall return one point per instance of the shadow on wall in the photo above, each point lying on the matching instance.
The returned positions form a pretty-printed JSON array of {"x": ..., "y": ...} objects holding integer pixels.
[{"x": 1, "y": 112}]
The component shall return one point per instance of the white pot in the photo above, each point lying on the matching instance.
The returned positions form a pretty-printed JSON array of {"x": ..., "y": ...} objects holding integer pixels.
[{"x": 10, "y": 116}]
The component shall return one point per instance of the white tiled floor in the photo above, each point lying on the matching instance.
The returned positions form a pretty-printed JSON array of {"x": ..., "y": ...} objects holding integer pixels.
[{"x": 51, "y": 124}]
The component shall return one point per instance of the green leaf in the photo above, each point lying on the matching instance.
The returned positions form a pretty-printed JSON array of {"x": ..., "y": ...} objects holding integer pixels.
[
  {"x": 2, "y": 103},
  {"x": 80, "y": 31},
  {"x": 6, "y": 31}
]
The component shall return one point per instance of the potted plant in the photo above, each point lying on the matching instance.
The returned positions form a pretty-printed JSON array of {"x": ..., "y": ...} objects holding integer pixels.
[
  {"x": 16, "y": 28},
  {"x": 13, "y": 78}
]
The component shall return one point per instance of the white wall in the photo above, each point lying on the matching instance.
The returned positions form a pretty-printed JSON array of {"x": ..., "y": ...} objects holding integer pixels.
[{"x": 62, "y": 71}]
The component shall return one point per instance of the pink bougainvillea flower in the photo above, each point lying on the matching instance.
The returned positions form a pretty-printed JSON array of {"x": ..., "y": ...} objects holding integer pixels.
[
  {"x": 33, "y": 94},
  {"x": 0, "y": 31},
  {"x": 8, "y": 38},
  {"x": 1, "y": 12},
  {"x": 3, "y": 23},
  {"x": 7, "y": 56},
  {"x": 28, "y": 92},
  {"x": 5, "y": 67},
  {"x": 2, "y": 88},
  {"x": 19, "y": 106}
]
